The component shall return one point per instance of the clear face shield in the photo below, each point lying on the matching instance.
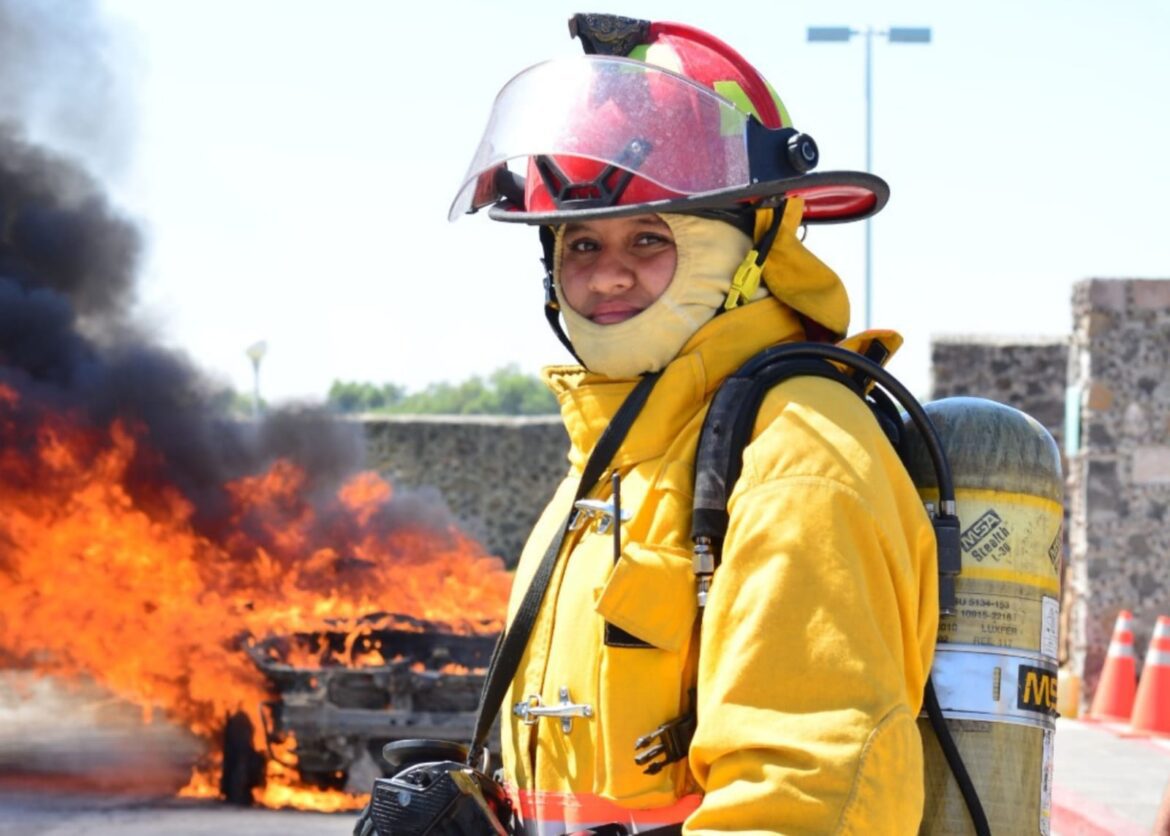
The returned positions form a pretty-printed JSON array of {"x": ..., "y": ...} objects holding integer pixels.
[{"x": 661, "y": 126}]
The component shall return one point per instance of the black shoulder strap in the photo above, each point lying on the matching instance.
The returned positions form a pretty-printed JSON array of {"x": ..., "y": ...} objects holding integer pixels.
[
  {"x": 510, "y": 647},
  {"x": 727, "y": 429},
  {"x": 728, "y": 426}
]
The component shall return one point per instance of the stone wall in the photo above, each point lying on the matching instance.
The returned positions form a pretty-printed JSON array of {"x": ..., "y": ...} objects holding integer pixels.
[
  {"x": 1025, "y": 372},
  {"x": 495, "y": 473},
  {"x": 1119, "y": 486}
]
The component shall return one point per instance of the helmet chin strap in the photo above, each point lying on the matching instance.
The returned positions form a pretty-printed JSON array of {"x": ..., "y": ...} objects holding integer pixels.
[{"x": 552, "y": 308}]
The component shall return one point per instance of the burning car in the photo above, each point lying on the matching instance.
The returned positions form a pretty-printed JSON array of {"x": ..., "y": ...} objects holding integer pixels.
[
  {"x": 342, "y": 694},
  {"x": 147, "y": 526}
]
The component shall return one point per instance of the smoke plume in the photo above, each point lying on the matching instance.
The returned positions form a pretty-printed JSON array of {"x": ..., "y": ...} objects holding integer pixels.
[
  {"x": 68, "y": 264},
  {"x": 59, "y": 80}
]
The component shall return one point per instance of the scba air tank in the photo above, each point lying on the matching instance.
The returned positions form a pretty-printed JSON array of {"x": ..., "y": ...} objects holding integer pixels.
[{"x": 995, "y": 664}]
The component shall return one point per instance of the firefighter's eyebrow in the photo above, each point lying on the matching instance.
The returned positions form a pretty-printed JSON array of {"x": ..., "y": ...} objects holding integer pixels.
[{"x": 652, "y": 221}]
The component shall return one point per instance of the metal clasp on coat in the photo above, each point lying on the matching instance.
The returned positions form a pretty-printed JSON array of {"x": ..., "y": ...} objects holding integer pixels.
[
  {"x": 530, "y": 710},
  {"x": 587, "y": 509}
]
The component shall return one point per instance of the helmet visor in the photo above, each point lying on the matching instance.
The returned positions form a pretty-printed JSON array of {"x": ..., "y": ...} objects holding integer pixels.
[{"x": 665, "y": 128}]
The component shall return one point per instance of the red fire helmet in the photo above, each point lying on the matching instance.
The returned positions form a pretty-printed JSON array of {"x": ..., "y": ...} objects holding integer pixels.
[{"x": 656, "y": 117}]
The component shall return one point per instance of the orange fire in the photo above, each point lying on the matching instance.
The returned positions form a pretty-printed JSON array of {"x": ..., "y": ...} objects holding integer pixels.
[
  {"x": 282, "y": 788},
  {"x": 101, "y": 579}
]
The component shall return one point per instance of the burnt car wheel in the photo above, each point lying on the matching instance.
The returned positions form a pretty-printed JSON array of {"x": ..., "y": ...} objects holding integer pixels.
[
  {"x": 243, "y": 766},
  {"x": 365, "y": 823}
]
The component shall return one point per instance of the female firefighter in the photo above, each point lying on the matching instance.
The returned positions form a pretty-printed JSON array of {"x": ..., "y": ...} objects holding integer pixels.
[{"x": 668, "y": 186}]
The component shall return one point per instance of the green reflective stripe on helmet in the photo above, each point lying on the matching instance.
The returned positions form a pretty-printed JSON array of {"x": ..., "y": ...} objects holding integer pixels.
[
  {"x": 731, "y": 91},
  {"x": 785, "y": 119},
  {"x": 638, "y": 53}
]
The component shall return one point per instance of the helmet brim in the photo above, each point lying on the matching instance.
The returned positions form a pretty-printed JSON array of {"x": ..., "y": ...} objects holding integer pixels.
[{"x": 829, "y": 197}]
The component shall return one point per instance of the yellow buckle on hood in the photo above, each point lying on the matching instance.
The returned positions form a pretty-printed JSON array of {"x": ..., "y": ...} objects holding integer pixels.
[{"x": 745, "y": 282}]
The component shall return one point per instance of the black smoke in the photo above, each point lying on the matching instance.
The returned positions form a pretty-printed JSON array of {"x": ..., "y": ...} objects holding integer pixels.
[{"x": 69, "y": 342}]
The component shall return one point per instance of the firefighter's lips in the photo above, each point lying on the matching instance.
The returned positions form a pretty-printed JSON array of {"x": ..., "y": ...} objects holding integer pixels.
[{"x": 611, "y": 314}]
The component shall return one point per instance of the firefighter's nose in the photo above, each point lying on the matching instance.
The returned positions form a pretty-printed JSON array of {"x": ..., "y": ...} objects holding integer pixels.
[{"x": 612, "y": 275}]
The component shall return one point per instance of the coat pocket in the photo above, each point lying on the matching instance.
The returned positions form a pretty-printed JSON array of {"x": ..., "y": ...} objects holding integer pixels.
[{"x": 650, "y": 597}]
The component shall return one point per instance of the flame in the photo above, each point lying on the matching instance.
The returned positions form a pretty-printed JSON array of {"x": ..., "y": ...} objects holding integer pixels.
[
  {"x": 99, "y": 578},
  {"x": 281, "y": 788}
]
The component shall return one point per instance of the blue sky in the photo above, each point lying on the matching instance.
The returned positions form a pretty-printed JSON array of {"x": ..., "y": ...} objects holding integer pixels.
[{"x": 291, "y": 162}]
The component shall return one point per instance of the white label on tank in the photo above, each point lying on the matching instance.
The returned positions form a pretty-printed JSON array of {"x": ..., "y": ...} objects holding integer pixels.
[
  {"x": 1050, "y": 626},
  {"x": 1046, "y": 785}
]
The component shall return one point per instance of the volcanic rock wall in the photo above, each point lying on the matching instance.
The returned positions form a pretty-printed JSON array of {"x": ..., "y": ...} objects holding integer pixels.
[
  {"x": 1028, "y": 373},
  {"x": 495, "y": 473},
  {"x": 1119, "y": 484}
]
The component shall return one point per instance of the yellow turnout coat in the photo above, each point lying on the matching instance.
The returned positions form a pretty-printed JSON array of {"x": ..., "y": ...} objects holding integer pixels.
[{"x": 817, "y": 637}]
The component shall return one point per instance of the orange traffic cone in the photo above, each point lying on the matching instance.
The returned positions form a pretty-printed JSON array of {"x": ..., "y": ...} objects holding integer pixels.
[
  {"x": 1151, "y": 708},
  {"x": 1113, "y": 699}
]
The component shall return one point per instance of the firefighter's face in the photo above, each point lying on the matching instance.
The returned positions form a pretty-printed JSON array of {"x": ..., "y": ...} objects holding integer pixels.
[{"x": 614, "y": 269}]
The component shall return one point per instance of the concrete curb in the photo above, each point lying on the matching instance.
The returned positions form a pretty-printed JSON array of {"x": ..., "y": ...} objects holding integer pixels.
[
  {"x": 1107, "y": 781},
  {"x": 1075, "y": 815}
]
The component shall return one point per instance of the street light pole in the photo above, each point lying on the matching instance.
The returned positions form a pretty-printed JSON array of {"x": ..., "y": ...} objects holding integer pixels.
[
  {"x": 895, "y": 34},
  {"x": 869, "y": 168},
  {"x": 255, "y": 353}
]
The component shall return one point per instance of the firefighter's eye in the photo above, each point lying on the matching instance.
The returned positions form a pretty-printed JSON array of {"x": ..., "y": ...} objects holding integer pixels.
[{"x": 581, "y": 245}]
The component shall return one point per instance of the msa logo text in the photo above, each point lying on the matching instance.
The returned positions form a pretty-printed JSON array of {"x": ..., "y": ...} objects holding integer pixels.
[
  {"x": 986, "y": 537},
  {"x": 1037, "y": 690}
]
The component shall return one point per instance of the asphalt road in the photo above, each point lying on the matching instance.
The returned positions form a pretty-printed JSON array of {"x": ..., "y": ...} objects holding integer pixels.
[
  {"x": 81, "y": 764},
  {"x": 1108, "y": 783},
  {"x": 74, "y": 760},
  {"x": 41, "y": 813}
]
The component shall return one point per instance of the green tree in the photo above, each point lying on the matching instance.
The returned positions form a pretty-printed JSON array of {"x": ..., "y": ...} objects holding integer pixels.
[
  {"x": 520, "y": 394},
  {"x": 507, "y": 391},
  {"x": 352, "y": 396}
]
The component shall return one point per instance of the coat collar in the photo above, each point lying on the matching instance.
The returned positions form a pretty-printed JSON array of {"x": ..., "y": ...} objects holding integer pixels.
[{"x": 588, "y": 401}]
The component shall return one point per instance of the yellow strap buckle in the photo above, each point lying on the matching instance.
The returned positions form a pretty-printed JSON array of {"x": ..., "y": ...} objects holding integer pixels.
[{"x": 745, "y": 282}]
